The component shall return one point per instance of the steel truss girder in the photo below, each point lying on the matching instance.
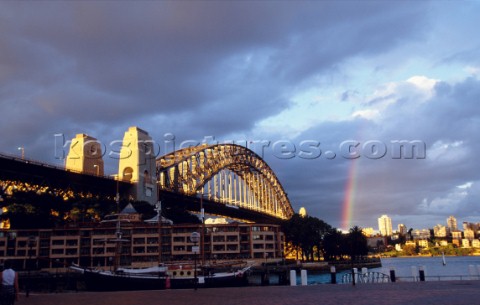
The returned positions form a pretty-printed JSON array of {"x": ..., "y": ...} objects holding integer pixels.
[{"x": 187, "y": 171}]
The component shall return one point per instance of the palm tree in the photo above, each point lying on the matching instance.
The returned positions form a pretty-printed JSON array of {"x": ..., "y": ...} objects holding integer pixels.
[{"x": 356, "y": 242}]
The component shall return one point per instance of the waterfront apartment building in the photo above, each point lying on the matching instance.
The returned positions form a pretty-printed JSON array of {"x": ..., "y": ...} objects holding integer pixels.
[
  {"x": 368, "y": 232},
  {"x": 440, "y": 231},
  {"x": 421, "y": 234},
  {"x": 144, "y": 244},
  {"x": 385, "y": 225},
  {"x": 469, "y": 234},
  {"x": 452, "y": 223},
  {"x": 402, "y": 229}
]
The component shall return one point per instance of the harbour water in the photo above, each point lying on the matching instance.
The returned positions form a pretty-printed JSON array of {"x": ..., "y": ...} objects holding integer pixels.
[{"x": 456, "y": 268}]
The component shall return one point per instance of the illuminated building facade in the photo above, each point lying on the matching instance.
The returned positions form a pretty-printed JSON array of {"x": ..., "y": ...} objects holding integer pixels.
[
  {"x": 91, "y": 246},
  {"x": 385, "y": 225},
  {"x": 452, "y": 223}
]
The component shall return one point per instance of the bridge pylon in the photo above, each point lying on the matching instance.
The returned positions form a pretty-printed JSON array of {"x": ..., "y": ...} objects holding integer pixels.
[
  {"x": 85, "y": 155},
  {"x": 137, "y": 164}
]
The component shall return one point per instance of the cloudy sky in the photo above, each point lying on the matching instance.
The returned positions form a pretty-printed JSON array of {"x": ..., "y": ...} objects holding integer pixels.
[{"x": 285, "y": 73}]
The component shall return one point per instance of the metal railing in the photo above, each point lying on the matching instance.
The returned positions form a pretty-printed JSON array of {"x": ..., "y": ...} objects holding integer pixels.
[
  {"x": 366, "y": 278},
  {"x": 438, "y": 278}
]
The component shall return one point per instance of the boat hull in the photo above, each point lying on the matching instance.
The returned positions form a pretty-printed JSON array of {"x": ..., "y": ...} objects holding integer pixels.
[
  {"x": 107, "y": 281},
  {"x": 97, "y": 281},
  {"x": 233, "y": 280}
]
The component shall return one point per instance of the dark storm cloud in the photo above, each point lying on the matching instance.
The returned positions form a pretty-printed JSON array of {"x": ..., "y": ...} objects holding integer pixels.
[
  {"x": 407, "y": 189},
  {"x": 219, "y": 68},
  {"x": 128, "y": 60}
]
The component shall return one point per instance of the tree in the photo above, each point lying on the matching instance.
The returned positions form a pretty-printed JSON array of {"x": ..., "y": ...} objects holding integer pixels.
[
  {"x": 356, "y": 242},
  {"x": 305, "y": 235},
  {"x": 409, "y": 250},
  {"x": 332, "y": 245},
  {"x": 29, "y": 210},
  {"x": 33, "y": 210}
]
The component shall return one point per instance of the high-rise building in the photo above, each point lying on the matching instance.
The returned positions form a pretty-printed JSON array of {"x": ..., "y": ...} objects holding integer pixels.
[
  {"x": 452, "y": 223},
  {"x": 385, "y": 225},
  {"x": 440, "y": 231},
  {"x": 402, "y": 229}
]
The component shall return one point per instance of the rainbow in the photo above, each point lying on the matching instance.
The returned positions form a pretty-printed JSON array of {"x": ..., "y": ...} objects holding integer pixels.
[{"x": 348, "y": 201}]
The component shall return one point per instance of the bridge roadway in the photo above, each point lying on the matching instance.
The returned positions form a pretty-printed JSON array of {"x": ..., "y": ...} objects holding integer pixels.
[
  {"x": 411, "y": 293},
  {"x": 24, "y": 170},
  {"x": 13, "y": 168}
]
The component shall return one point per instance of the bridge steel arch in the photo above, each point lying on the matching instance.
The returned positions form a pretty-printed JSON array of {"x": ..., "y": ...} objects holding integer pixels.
[{"x": 207, "y": 170}]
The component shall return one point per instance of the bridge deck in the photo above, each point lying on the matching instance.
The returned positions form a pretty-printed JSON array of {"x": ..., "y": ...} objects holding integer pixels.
[
  {"x": 25, "y": 170},
  {"x": 12, "y": 168}
]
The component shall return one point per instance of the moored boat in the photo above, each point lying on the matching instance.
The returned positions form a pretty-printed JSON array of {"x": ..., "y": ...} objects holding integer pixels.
[
  {"x": 158, "y": 278},
  {"x": 101, "y": 280}
]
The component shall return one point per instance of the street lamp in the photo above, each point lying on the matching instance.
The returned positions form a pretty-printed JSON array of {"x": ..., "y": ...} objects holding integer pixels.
[
  {"x": 31, "y": 243},
  {"x": 202, "y": 241},
  {"x": 158, "y": 209},
  {"x": 265, "y": 279},
  {"x": 195, "y": 238}
]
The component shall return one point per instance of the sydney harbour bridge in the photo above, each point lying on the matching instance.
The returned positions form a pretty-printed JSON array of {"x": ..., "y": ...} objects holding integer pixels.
[{"x": 223, "y": 179}]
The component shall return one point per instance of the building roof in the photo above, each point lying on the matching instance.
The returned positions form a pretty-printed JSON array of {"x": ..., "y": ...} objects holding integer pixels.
[
  {"x": 129, "y": 209},
  {"x": 155, "y": 220}
]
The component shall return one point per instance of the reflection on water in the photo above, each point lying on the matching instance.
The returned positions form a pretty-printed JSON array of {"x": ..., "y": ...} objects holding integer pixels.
[{"x": 455, "y": 266}]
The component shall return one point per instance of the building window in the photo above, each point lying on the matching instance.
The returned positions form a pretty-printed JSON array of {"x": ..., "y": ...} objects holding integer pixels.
[
  {"x": 58, "y": 242},
  {"x": 179, "y": 239}
]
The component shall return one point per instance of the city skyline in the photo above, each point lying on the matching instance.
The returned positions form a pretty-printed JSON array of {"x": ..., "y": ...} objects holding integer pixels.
[
  {"x": 386, "y": 221},
  {"x": 326, "y": 90}
]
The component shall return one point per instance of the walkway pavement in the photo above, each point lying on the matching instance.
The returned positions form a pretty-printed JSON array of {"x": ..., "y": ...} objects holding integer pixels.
[{"x": 422, "y": 293}]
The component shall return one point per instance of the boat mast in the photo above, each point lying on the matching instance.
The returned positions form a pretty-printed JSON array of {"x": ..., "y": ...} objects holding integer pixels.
[
  {"x": 118, "y": 233},
  {"x": 158, "y": 208}
]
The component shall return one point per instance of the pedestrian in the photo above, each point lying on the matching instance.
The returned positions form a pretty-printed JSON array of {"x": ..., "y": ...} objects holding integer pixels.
[{"x": 9, "y": 280}]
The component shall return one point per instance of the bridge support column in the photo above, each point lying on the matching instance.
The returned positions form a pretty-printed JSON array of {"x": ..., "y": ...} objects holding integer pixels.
[
  {"x": 137, "y": 164},
  {"x": 85, "y": 156}
]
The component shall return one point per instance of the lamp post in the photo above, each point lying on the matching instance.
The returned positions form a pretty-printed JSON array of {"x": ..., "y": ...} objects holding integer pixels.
[
  {"x": 110, "y": 260},
  {"x": 195, "y": 238},
  {"x": 202, "y": 236},
  {"x": 265, "y": 279},
  {"x": 57, "y": 261},
  {"x": 31, "y": 243},
  {"x": 158, "y": 208}
]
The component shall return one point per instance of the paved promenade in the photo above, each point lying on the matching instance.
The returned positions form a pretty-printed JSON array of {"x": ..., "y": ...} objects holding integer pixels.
[{"x": 422, "y": 293}]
